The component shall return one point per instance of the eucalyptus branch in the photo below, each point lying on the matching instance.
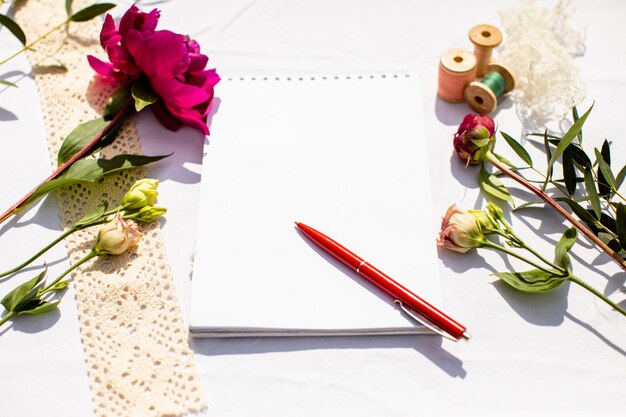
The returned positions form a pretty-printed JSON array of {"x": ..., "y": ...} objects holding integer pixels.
[{"x": 560, "y": 210}]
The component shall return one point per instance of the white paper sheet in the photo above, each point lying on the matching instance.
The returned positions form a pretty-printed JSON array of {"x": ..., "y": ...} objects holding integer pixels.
[{"x": 341, "y": 154}]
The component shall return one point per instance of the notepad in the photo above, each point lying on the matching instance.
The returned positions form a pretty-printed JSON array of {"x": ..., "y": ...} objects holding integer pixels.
[{"x": 344, "y": 154}]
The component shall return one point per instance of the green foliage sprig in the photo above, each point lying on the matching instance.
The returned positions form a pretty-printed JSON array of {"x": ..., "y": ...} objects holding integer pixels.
[{"x": 586, "y": 181}]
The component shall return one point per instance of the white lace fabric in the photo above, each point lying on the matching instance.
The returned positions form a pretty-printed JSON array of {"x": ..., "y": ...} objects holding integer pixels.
[
  {"x": 135, "y": 340},
  {"x": 540, "y": 45}
]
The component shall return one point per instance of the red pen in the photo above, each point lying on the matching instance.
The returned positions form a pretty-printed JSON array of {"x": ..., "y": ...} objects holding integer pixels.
[{"x": 403, "y": 296}]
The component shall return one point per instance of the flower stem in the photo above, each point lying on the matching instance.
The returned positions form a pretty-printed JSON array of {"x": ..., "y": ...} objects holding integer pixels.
[
  {"x": 7, "y": 317},
  {"x": 86, "y": 258},
  {"x": 83, "y": 152},
  {"x": 41, "y": 252},
  {"x": 597, "y": 293},
  {"x": 523, "y": 244},
  {"x": 552, "y": 203},
  {"x": 495, "y": 246}
]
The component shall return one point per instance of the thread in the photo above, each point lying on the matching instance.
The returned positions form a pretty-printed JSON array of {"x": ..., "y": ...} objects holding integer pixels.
[
  {"x": 457, "y": 68},
  {"x": 482, "y": 96},
  {"x": 495, "y": 82},
  {"x": 485, "y": 38}
]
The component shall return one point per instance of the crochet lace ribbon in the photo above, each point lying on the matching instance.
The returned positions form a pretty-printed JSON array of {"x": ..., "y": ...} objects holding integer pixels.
[{"x": 135, "y": 340}]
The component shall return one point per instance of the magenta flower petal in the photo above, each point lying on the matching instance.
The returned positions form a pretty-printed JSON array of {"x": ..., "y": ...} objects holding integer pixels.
[
  {"x": 187, "y": 103},
  {"x": 177, "y": 93},
  {"x": 160, "y": 54},
  {"x": 197, "y": 62},
  {"x": 102, "y": 68},
  {"x": 122, "y": 60},
  {"x": 109, "y": 35},
  {"x": 134, "y": 19}
]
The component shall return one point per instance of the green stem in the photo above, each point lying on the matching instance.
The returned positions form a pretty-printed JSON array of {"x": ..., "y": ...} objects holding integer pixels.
[
  {"x": 7, "y": 317},
  {"x": 597, "y": 293},
  {"x": 86, "y": 258},
  {"x": 41, "y": 252},
  {"x": 523, "y": 244},
  {"x": 495, "y": 246},
  {"x": 39, "y": 39}
]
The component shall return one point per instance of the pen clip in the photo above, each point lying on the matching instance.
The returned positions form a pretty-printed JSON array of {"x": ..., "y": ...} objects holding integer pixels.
[{"x": 423, "y": 320}]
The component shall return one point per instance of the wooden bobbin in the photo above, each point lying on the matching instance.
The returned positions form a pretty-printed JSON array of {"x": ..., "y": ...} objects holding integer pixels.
[
  {"x": 457, "y": 68},
  {"x": 480, "y": 97},
  {"x": 485, "y": 38}
]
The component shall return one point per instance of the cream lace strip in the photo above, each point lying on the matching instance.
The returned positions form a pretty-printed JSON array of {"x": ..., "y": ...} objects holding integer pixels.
[{"x": 135, "y": 341}]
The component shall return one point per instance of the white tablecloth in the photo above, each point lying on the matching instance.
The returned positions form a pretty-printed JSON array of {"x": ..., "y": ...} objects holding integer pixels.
[{"x": 560, "y": 353}]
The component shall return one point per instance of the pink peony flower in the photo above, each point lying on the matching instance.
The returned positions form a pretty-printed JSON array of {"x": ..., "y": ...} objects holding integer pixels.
[
  {"x": 460, "y": 231},
  {"x": 172, "y": 64},
  {"x": 474, "y": 137}
]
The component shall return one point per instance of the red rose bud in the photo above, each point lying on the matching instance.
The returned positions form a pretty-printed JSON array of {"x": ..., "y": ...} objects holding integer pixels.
[{"x": 474, "y": 137}]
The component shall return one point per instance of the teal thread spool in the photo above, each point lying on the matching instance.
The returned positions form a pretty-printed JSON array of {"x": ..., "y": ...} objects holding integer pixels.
[{"x": 482, "y": 96}]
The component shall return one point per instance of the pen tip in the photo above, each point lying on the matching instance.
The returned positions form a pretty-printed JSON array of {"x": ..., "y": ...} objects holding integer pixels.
[{"x": 297, "y": 223}]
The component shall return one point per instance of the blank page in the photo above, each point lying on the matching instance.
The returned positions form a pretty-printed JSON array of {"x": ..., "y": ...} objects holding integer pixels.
[{"x": 345, "y": 155}]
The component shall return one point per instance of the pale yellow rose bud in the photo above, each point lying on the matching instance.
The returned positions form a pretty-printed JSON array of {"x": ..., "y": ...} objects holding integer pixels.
[
  {"x": 142, "y": 193},
  {"x": 149, "y": 214},
  {"x": 460, "y": 231},
  {"x": 116, "y": 236}
]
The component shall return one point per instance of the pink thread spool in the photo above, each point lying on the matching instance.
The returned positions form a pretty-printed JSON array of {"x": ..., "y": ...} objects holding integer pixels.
[{"x": 457, "y": 68}]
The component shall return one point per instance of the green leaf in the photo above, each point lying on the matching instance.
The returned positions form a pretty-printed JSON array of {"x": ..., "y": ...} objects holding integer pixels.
[
  {"x": 91, "y": 170},
  {"x": 567, "y": 139},
  {"x": 38, "y": 306},
  {"x": 532, "y": 281},
  {"x": 79, "y": 137},
  {"x": 90, "y": 12},
  {"x": 94, "y": 215},
  {"x": 144, "y": 95},
  {"x": 590, "y": 186},
  {"x": 578, "y": 210},
  {"x": 619, "y": 179},
  {"x": 492, "y": 186},
  {"x": 575, "y": 116},
  {"x": 606, "y": 180},
  {"x": 506, "y": 161},
  {"x": 549, "y": 169},
  {"x": 620, "y": 219},
  {"x": 60, "y": 286},
  {"x": 580, "y": 157},
  {"x": 68, "y": 7},
  {"x": 569, "y": 172},
  {"x": 8, "y": 83},
  {"x": 13, "y": 27},
  {"x": 563, "y": 246},
  {"x": 480, "y": 143},
  {"x": 519, "y": 149},
  {"x": 21, "y": 292},
  {"x": 528, "y": 205}
]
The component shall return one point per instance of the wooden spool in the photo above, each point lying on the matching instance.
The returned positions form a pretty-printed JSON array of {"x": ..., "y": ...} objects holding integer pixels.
[
  {"x": 480, "y": 97},
  {"x": 485, "y": 38},
  {"x": 457, "y": 68}
]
